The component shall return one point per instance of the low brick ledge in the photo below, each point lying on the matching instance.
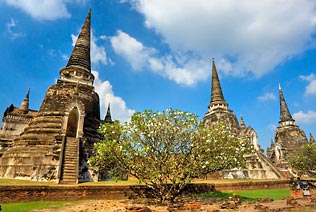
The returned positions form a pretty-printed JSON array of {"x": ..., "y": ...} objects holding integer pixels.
[
  {"x": 251, "y": 185},
  {"x": 26, "y": 193}
]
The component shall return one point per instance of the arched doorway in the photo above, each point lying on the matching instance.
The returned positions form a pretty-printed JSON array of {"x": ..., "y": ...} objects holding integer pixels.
[{"x": 72, "y": 125}]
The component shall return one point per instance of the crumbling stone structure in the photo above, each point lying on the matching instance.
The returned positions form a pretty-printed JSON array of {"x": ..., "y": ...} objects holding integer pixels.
[
  {"x": 258, "y": 166},
  {"x": 55, "y": 142},
  {"x": 288, "y": 138},
  {"x": 14, "y": 121}
]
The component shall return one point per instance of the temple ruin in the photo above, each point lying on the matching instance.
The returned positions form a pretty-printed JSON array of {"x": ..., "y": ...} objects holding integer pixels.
[
  {"x": 288, "y": 138},
  {"x": 257, "y": 165},
  {"x": 55, "y": 142}
]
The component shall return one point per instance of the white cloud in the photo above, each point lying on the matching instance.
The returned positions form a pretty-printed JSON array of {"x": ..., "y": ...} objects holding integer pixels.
[
  {"x": 187, "y": 73},
  {"x": 98, "y": 53},
  {"x": 44, "y": 9},
  {"x": 311, "y": 87},
  {"x": 251, "y": 37},
  {"x": 267, "y": 96},
  {"x": 10, "y": 28},
  {"x": 131, "y": 49},
  {"x": 119, "y": 110},
  {"x": 272, "y": 127},
  {"x": 305, "y": 118},
  {"x": 180, "y": 68}
]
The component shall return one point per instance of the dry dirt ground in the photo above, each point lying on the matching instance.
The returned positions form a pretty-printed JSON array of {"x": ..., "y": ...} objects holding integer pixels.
[{"x": 196, "y": 206}]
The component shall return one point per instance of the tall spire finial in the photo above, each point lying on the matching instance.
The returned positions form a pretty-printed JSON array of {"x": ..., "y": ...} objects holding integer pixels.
[
  {"x": 25, "y": 104},
  {"x": 285, "y": 115},
  {"x": 78, "y": 67},
  {"x": 217, "y": 97},
  {"x": 108, "y": 117},
  {"x": 80, "y": 55}
]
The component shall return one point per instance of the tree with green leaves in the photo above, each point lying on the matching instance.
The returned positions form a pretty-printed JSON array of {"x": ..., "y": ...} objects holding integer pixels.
[
  {"x": 165, "y": 150},
  {"x": 304, "y": 160}
]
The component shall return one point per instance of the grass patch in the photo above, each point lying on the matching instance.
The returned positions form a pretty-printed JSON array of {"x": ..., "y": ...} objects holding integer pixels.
[
  {"x": 4, "y": 181},
  {"x": 250, "y": 195},
  {"x": 32, "y": 206}
]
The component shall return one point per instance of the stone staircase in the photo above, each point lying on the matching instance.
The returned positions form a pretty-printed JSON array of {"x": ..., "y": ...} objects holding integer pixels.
[
  {"x": 271, "y": 166},
  {"x": 70, "y": 161}
]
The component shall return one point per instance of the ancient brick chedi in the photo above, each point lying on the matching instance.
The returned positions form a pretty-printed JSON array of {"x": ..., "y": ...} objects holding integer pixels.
[
  {"x": 258, "y": 166},
  {"x": 57, "y": 140},
  {"x": 14, "y": 121},
  {"x": 288, "y": 138}
]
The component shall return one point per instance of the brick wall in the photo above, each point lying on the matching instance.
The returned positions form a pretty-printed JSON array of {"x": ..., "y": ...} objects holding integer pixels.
[
  {"x": 252, "y": 185},
  {"x": 17, "y": 193}
]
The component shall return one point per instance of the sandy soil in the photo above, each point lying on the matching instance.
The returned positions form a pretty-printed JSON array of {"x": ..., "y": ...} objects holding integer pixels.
[{"x": 123, "y": 205}]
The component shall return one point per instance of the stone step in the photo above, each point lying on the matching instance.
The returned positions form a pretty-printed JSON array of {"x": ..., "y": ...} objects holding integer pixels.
[
  {"x": 69, "y": 174},
  {"x": 70, "y": 161},
  {"x": 71, "y": 165},
  {"x": 69, "y": 177},
  {"x": 70, "y": 147},
  {"x": 72, "y": 150},
  {"x": 71, "y": 157},
  {"x": 69, "y": 170}
]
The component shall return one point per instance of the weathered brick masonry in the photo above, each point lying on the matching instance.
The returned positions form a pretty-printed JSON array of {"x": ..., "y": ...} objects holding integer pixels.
[{"x": 82, "y": 192}]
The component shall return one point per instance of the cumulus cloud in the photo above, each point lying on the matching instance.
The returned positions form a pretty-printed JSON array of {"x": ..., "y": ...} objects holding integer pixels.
[
  {"x": 119, "y": 110},
  {"x": 45, "y": 9},
  {"x": 179, "y": 68},
  {"x": 311, "y": 87},
  {"x": 266, "y": 97},
  {"x": 11, "y": 29},
  {"x": 305, "y": 118},
  {"x": 249, "y": 37},
  {"x": 131, "y": 49}
]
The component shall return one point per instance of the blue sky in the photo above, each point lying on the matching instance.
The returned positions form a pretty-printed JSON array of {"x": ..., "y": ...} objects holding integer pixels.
[{"x": 155, "y": 54}]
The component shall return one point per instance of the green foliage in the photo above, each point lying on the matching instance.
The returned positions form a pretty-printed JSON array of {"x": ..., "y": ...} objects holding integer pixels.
[
  {"x": 165, "y": 150},
  {"x": 304, "y": 161}
]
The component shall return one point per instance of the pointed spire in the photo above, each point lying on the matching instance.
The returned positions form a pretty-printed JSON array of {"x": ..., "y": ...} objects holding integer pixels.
[
  {"x": 25, "y": 104},
  {"x": 80, "y": 55},
  {"x": 78, "y": 67},
  {"x": 242, "y": 122},
  {"x": 217, "y": 97},
  {"x": 285, "y": 115},
  {"x": 108, "y": 118}
]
